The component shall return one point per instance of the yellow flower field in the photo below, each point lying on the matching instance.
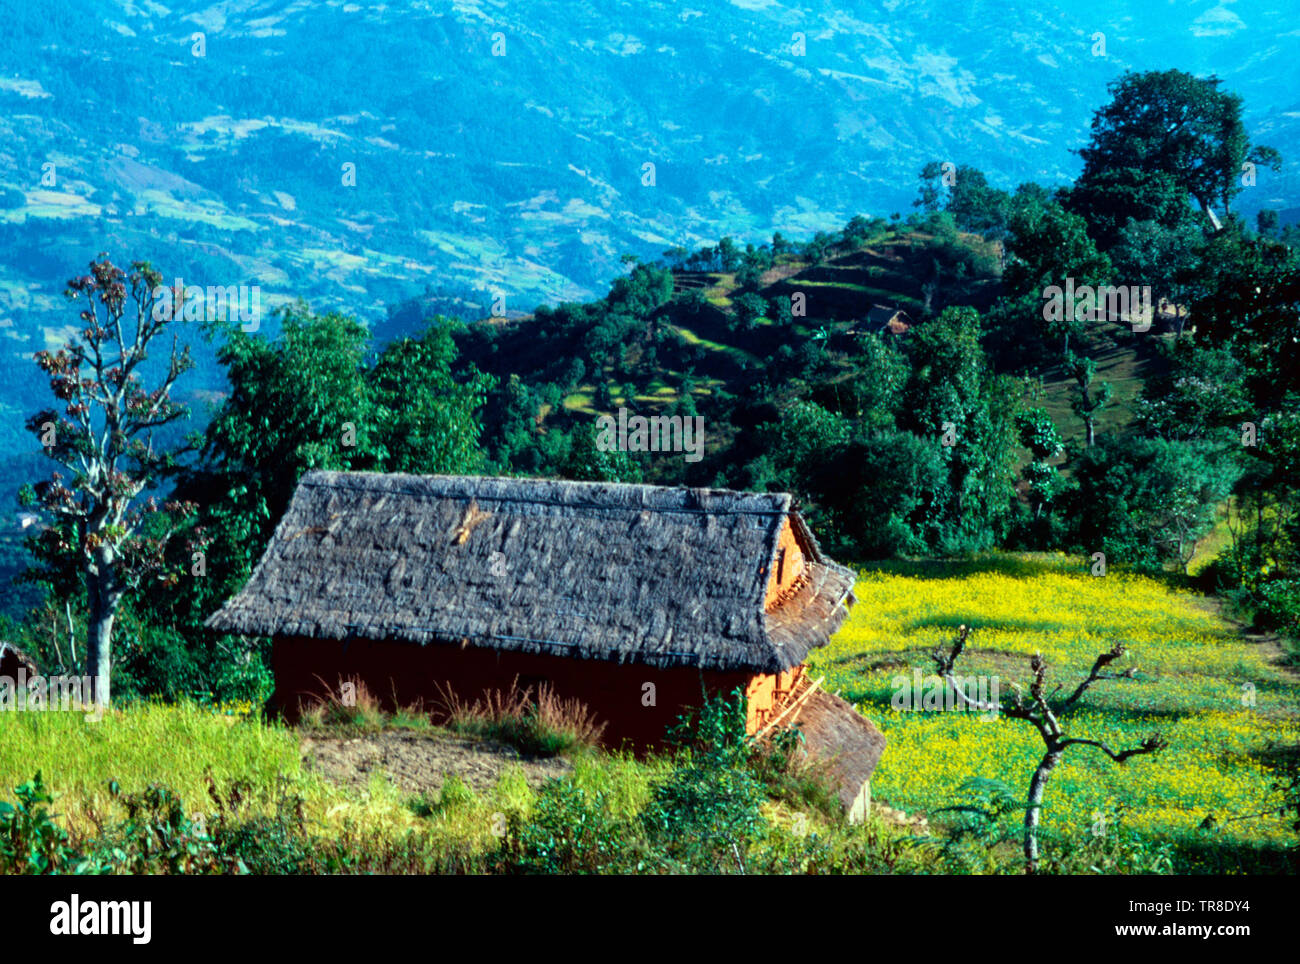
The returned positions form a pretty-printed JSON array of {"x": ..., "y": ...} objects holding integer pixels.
[{"x": 1222, "y": 702}]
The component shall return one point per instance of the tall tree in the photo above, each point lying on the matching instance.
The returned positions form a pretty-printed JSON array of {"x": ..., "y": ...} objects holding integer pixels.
[
  {"x": 1172, "y": 122},
  {"x": 103, "y": 530},
  {"x": 1049, "y": 245}
]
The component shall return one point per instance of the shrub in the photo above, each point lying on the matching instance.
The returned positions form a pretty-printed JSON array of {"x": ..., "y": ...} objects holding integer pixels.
[
  {"x": 572, "y": 831},
  {"x": 30, "y": 841},
  {"x": 705, "y": 814},
  {"x": 350, "y": 705}
]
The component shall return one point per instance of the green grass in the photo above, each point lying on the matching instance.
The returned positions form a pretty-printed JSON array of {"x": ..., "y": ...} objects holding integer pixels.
[
  {"x": 178, "y": 745},
  {"x": 692, "y": 338}
]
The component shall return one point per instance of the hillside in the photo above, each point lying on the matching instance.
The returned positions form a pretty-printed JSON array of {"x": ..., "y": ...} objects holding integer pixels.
[{"x": 883, "y": 284}]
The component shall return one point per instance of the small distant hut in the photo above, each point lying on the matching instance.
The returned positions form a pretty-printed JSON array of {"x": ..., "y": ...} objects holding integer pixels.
[
  {"x": 13, "y": 659},
  {"x": 638, "y": 600},
  {"x": 882, "y": 320}
]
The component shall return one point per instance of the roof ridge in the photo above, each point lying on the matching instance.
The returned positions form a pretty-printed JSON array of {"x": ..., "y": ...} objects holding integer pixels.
[{"x": 783, "y": 503}]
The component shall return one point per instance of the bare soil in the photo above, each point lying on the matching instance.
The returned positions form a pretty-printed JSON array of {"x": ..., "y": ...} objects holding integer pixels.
[{"x": 418, "y": 762}]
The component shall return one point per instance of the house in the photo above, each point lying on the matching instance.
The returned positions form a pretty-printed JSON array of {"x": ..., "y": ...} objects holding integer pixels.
[
  {"x": 13, "y": 659},
  {"x": 636, "y": 599},
  {"x": 882, "y": 320}
]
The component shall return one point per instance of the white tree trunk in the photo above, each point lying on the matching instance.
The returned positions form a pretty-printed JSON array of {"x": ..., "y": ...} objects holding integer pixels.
[{"x": 103, "y": 598}]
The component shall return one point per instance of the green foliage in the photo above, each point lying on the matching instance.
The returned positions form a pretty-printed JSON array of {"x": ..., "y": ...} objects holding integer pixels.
[
  {"x": 706, "y": 813},
  {"x": 1146, "y": 502},
  {"x": 1088, "y": 400},
  {"x": 427, "y": 417},
  {"x": 882, "y": 495},
  {"x": 572, "y": 829},
  {"x": 31, "y": 842},
  {"x": 1037, "y": 432},
  {"x": 872, "y": 396},
  {"x": 749, "y": 308},
  {"x": 1202, "y": 396},
  {"x": 587, "y": 462},
  {"x": 805, "y": 435},
  {"x": 1182, "y": 126},
  {"x": 968, "y": 199}
]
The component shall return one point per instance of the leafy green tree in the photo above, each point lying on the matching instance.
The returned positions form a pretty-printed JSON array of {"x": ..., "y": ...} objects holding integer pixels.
[
  {"x": 930, "y": 194},
  {"x": 728, "y": 254},
  {"x": 858, "y": 230},
  {"x": 953, "y": 399},
  {"x": 1088, "y": 400},
  {"x": 1167, "y": 259},
  {"x": 309, "y": 400},
  {"x": 874, "y": 392},
  {"x": 1148, "y": 501},
  {"x": 819, "y": 248},
  {"x": 427, "y": 417},
  {"x": 977, "y": 206},
  {"x": 749, "y": 307},
  {"x": 1250, "y": 300},
  {"x": 587, "y": 462},
  {"x": 1172, "y": 122},
  {"x": 881, "y": 494},
  {"x": 804, "y": 435},
  {"x": 706, "y": 811},
  {"x": 1048, "y": 246},
  {"x": 1108, "y": 199},
  {"x": 1037, "y": 432},
  {"x": 1202, "y": 396}
]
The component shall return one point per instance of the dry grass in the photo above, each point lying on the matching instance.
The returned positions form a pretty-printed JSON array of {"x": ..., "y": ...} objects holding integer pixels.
[
  {"x": 350, "y": 704},
  {"x": 544, "y": 724}
]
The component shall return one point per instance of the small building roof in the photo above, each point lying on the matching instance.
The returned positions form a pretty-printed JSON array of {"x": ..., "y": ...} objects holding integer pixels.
[
  {"x": 882, "y": 320},
  {"x": 634, "y": 573},
  {"x": 849, "y": 744}
]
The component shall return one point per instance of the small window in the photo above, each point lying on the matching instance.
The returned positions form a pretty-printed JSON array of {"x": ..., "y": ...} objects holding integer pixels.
[{"x": 780, "y": 566}]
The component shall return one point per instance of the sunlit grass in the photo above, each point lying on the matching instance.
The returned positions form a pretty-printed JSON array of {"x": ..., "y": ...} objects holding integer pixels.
[{"x": 1221, "y": 701}]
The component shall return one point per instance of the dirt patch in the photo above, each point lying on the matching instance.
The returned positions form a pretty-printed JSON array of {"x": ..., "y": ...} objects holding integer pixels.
[{"x": 419, "y": 762}]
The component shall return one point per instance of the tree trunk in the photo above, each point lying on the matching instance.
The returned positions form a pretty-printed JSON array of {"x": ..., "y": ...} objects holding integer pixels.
[
  {"x": 1035, "y": 803},
  {"x": 1091, "y": 429},
  {"x": 103, "y": 599}
]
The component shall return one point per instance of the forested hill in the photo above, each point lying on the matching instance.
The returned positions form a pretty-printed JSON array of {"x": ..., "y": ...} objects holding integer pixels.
[{"x": 357, "y": 155}]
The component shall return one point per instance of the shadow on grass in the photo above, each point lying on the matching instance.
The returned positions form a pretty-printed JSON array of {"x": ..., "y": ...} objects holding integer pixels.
[
  {"x": 1205, "y": 852},
  {"x": 1019, "y": 566}
]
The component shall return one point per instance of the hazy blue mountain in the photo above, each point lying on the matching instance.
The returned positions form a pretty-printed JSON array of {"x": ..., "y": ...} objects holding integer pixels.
[{"x": 524, "y": 173}]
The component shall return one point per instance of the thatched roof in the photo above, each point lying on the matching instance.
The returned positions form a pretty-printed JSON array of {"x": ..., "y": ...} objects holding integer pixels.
[
  {"x": 848, "y": 742},
  {"x": 12, "y": 659},
  {"x": 637, "y": 573}
]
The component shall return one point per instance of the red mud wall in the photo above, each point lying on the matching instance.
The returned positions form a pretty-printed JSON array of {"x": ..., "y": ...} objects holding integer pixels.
[{"x": 407, "y": 673}]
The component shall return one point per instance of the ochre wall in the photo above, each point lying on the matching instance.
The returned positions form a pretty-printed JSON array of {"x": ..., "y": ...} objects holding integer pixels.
[
  {"x": 784, "y": 575},
  {"x": 767, "y": 693},
  {"x": 407, "y": 673}
]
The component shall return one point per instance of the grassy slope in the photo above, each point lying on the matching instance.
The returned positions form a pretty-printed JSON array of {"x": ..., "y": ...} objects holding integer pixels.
[
  {"x": 1195, "y": 682},
  {"x": 1193, "y": 672},
  {"x": 840, "y": 291}
]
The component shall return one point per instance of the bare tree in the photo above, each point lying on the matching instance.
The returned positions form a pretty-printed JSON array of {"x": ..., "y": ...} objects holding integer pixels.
[
  {"x": 105, "y": 537},
  {"x": 1041, "y": 710}
]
